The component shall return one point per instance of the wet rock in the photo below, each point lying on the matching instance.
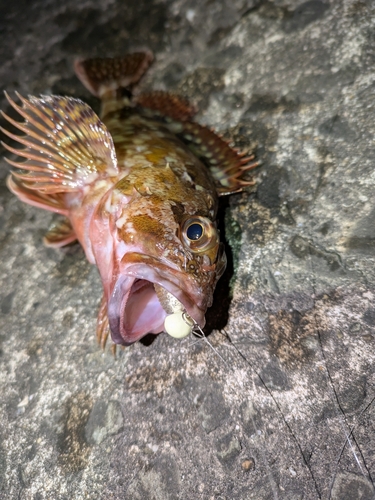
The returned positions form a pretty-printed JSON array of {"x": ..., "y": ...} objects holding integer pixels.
[
  {"x": 72, "y": 445},
  {"x": 6, "y": 303},
  {"x": 304, "y": 14},
  {"x": 228, "y": 448},
  {"x": 274, "y": 378},
  {"x": 212, "y": 410},
  {"x": 201, "y": 83},
  {"x": 349, "y": 486},
  {"x": 105, "y": 420},
  {"x": 160, "y": 481}
]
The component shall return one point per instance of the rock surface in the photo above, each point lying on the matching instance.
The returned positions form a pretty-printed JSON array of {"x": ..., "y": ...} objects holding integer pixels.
[{"x": 287, "y": 411}]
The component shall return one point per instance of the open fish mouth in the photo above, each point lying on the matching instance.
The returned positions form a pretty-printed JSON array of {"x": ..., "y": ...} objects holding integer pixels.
[{"x": 134, "y": 308}]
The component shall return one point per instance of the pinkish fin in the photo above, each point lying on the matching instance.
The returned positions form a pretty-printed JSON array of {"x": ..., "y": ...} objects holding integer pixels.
[
  {"x": 101, "y": 76},
  {"x": 66, "y": 146},
  {"x": 102, "y": 325},
  {"x": 60, "y": 234},
  {"x": 52, "y": 202},
  {"x": 226, "y": 165},
  {"x": 102, "y": 328},
  {"x": 167, "y": 104}
]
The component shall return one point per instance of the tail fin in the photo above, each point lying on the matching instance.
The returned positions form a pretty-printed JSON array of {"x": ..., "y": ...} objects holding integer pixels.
[{"x": 101, "y": 76}]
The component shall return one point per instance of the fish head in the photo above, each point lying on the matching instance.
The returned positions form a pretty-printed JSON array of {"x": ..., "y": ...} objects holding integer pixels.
[{"x": 145, "y": 245}]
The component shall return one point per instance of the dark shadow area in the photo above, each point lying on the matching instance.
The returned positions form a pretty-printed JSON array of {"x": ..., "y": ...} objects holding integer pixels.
[
  {"x": 217, "y": 315},
  {"x": 148, "y": 339}
]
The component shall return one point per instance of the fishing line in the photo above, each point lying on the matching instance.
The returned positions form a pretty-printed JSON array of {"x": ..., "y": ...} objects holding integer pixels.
[
  {"x": 348, "y": 433},
  {"x": 197, "y": 331}
]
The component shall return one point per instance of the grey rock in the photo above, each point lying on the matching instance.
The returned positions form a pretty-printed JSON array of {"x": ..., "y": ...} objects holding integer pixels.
[
  {"x": 228, "y": 448},
  {"x": 105, "y": 419},
  {"x": 348, "y": 486},
  {"x": 292, "y": 80},
  {"x": 209, "y": 401},
  {"x": 160, "y": 481},
  {"x": 274, "y": 378}
]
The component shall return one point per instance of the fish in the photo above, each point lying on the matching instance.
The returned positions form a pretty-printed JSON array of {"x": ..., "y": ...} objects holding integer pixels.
[{"x": 138, "y": 188}]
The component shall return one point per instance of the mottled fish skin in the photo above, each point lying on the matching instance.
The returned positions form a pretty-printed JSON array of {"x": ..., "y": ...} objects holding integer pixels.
[
  {"x": 145, "y": 208},
  {"x": 139, "y": 189}
]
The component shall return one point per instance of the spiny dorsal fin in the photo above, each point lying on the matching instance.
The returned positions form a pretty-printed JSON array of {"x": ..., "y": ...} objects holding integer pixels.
[
  {"x": 101, "y": 75},
  {"x": 227, "y": 165},
  {"x": 167, "y": 104},
  {"x": 66, "y": 145}
]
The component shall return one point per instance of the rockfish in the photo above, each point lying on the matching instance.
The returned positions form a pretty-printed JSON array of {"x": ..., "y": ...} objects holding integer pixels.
[{"x": 138, "y": 188}]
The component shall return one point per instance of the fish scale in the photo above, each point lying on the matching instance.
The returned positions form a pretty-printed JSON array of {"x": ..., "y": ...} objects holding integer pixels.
[{"x": 139, "y": 190}]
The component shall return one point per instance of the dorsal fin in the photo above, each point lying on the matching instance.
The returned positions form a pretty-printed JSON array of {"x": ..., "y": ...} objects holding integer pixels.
[
  {"x": 66, "y": 145},
  {"x": 105, "y": 75},
  {"x": 226, "y": 164},
  {"x": 167, "y": 104}
]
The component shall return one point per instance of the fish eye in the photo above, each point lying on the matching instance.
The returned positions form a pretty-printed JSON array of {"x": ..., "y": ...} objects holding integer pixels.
[
  {"x": 194, "y": 232},
  {"x": 199, "y": 234}
]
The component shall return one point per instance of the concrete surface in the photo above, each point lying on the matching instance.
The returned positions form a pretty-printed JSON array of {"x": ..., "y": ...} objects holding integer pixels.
[{"x": 288, "y": 412}]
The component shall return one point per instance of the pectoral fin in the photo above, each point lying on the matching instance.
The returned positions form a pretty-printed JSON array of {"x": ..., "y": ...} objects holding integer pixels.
[
  {"x": 60, "y": 234},
  {"x": 66, "y": 146},
  {"x": 53, "y": 202},
  {"x": 102, "y": 325}
]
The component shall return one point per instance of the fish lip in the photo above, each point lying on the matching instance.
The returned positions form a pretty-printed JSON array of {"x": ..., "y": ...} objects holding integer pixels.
[{"x": 136, "y": 266}]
